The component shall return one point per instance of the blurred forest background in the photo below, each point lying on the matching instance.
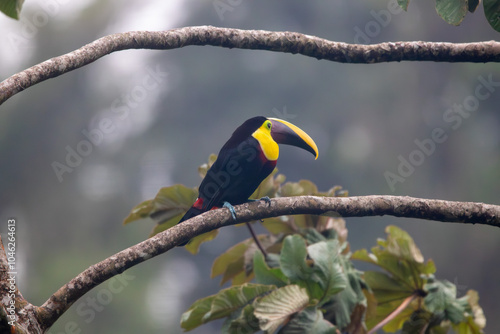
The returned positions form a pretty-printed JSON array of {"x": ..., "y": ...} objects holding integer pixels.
[{"x": 363, "y": 117}]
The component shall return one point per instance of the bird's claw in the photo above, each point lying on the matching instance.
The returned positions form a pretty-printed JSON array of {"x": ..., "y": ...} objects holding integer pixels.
[
  {"x": 266, "y": 199},
  {"x": 230, "y": 208}
]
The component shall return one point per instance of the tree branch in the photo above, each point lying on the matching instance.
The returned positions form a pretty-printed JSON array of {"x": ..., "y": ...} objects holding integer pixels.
[
  {"x": 279, "y": 41},
  {"x": 361, "y": 206}
]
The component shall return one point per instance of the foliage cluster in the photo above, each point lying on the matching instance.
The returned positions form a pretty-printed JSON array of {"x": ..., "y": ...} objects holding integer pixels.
[{"x": 307, "y": 283}]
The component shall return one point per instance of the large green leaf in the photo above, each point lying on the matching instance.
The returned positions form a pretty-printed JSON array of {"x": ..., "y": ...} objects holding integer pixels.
[
  {"x": 140, "y": 211},
  {"x": 230, "y": 299},
  {"x": 492, "y": 13},
  {"x": 11, "y": 8},
  {"x": 173, "y": 200},
  {"x": 193, "y": 317},
  {"x": 269, "y": 186},
  {"x": 278, "y": 225},
  {"x": 293, "y": 259},
  {"x": 452, "y": 11},
  {"x": 279, "y": 306},
  {"x": 222, "y": 304},
  {"x": 193, "y": 246},
  {"x": 400, "y": 256},
  {"x": 385, "y": 287},
  {"x": 441, "y": 298},
  {"x": 236, "y": 263},
  {"x": 328, "y": 272},
  {"x": 169, "y": 203},
  {"x": 309, "y": 321},
  {"x": 232, "y": 255},
  {"x": 346, "y": 309},
  {"x": 244, "y": 322},
  {"x": 266, "y": 275}
]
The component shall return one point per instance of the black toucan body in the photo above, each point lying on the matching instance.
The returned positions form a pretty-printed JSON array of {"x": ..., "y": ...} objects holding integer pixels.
[{"x": 245, "y": 160}]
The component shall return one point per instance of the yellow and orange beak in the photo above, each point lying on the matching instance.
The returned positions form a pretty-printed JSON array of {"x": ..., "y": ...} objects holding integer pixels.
[{"x": 286, "y": 133}]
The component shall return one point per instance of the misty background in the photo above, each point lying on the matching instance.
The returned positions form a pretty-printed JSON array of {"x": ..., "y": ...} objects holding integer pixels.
[{"x": 161, "y": 113}]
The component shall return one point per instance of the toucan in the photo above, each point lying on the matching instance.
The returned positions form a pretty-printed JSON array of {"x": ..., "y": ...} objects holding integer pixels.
[{"x": 244, "y": 161}]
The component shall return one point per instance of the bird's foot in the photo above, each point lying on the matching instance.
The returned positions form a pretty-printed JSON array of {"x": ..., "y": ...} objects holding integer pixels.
[
  {"x": 231, "y": 209},
  {"x": 265, "y": 199}
]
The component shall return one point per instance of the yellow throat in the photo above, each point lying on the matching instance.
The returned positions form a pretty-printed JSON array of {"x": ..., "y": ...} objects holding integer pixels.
[{"x": 266, "y": 142}]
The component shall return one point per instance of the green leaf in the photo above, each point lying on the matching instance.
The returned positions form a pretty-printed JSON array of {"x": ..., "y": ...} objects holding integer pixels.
[
  {"x": 400, "y": 244},
  {"x": 312, "y": 236},
  {"x": 277, "y": 307},
  {"x": 309, "y": 321},
  {"x": 309, "y": 187},
  {"x": 441, "y": 298},
  {"x": 400, "y": 257},
  {"x": 173, "y": 200},
  {"x": 232, "y": 255},
  {"x": 278, "y": 225},
  {"x": 222, "y": 304},
  {"x": 168, "y": 206},
  {"x": 404, "y": 4},
  {"x": 293, "y": 258},
  {"x": 328, "y": 272},
  {"x": 193, "y": 246},
  {"x": 291, "y": 189},
  {"x": 478, "y": 315},
  {"x": 347, "y": 308},
  {"x": 140, "y": 211},
  {"x": 452, "y": 11},
  {"x": 417, "y": 323},
  {"x": 11, "y": 8},
  {"x": 230, "y": 299},
  {"x": 166, "y": 224},
  {"x": 243, "y": 323},
  {"x": 385, "y": 287},
  {"x": 266, "y": 275},
  {"x": 192, "y": 318},
  {"x": 492, "y": 13},
  {"x": 269, "y": 186},
  {"x": 398, "y": 321}
]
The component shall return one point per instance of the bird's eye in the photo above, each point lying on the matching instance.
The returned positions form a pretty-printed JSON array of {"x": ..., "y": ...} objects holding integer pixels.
[{"x": 269, "y": 125}]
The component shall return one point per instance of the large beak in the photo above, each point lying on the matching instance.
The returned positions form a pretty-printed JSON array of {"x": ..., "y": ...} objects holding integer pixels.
[{"x": 284, "y": 132}]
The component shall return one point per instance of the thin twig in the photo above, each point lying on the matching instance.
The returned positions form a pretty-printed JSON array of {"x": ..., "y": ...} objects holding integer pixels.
[
  {"x": 394, "y": 313},
  {"x": 256, "y": 239}
]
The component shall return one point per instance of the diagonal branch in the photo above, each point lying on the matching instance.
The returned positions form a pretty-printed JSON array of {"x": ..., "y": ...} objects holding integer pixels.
[
  {"x": 361, "y": 206},
  {"x": 279, "y": 41}
]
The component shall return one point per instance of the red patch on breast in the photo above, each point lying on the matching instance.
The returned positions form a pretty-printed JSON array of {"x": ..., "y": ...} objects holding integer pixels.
[{"x": 198, "y": 204}]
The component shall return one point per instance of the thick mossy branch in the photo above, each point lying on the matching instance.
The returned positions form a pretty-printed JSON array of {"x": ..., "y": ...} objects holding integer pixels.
[
  {"x": 361, "y": 206},
  {"x": 278, "y": 41}
]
